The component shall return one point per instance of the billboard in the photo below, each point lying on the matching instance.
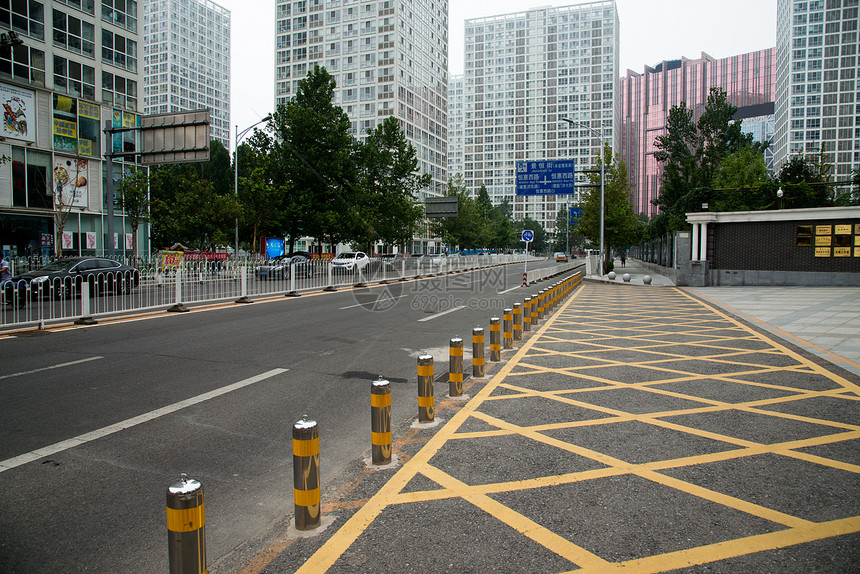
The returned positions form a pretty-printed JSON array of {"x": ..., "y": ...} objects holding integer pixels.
[
  {"x": 19, "y": 113},
  {"x": 177, "y": 137},
  {"x": 547, "y": 177}
]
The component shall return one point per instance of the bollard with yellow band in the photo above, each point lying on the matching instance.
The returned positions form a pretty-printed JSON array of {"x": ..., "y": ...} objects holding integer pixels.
[
  {"x": 518, "y": 321},
  {"x": 541, "y": 304},
  {"x": 455, "y": 368},
  {"x": 477, "y": 352},
  {"x": 508, "y": 328},
  {"x": 380, "y": 421},
  {"x": 306, "y": 473},
  {"x": 535, "y": 316},
  {"x": 495, "y": 339},
  {"x": 186, "y": 522},
  {"x": 527, "y": 314},
  {"x": 426, "y": 396}
]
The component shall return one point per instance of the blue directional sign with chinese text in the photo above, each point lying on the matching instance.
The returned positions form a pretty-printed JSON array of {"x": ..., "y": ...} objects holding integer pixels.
[{"x": 548, "y": 177}]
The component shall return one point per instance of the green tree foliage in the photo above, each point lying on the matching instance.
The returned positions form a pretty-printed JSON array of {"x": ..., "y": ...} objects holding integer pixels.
[
  {"x": 259, "y": 198},
  {"x": 134, "y": 201},
  {"x": 692, "y": 153},
  {"x": 539, "y": 244},
  {"x": 389, "y": 182},
  {"x": 464, "y": 230},
  {"x": 314, "y": 163},
  {"x": 621, "y": 227},
  {"x": 742, "y": 182},
  {"x": 805, "y": 182}
]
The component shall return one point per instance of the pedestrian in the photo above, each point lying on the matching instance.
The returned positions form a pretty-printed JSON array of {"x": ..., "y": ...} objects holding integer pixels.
[
  {"x": 5, "y": 276},
  {"x": 623, "y": 258}
]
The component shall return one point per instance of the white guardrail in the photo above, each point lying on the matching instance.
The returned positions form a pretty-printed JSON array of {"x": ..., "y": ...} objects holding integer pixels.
[
  {"x": 541, "y": 274},
  {"x": 195, "y": 282}
]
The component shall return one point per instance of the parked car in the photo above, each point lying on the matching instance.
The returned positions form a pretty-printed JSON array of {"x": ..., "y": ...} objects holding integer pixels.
[
  {"x": 560, "y": 257},
  {"x": 61, "y": 278},
  {"x": 350, "y": 262},
  {"x": 439, "y": 259},
  {"x": 279, "y": 267},
  {"x": 393, "y": 260}
]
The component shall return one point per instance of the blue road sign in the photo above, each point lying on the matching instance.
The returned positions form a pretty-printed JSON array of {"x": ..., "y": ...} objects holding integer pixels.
[
  {"x": 549, "y": 177},
  {"x": 528, "y": 235},
  {"x": 575, "y": 213}
]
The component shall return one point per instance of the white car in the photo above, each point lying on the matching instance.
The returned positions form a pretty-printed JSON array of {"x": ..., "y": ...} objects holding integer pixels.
[{"x": 350, "y": 262}]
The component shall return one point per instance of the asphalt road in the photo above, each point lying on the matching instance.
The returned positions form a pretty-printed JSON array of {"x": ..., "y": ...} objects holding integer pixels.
[{"x": 212, "y": 394}]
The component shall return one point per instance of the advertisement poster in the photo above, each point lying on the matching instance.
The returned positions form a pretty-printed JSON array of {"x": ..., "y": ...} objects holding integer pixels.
[
  {"x": 128, "y": 242},
  {"x": 68, "y": 240},
  {"x": 70, "y": 180},
  {"x": 91, "y": 239},
  {"x": 19, "y": 109}
]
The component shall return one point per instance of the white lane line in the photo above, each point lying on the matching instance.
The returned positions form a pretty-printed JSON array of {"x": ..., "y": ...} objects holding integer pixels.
[
  {"x": 59, "y": 366},
  {"x": 431, "y": 317},
  {"x": 32, "y": 456},
  {"x": 365, "y": 304},
  {"x": 509, "y": 290}
]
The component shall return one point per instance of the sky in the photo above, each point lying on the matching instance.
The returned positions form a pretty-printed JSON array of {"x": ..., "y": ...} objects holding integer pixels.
[{"x": 650, "y": 31}]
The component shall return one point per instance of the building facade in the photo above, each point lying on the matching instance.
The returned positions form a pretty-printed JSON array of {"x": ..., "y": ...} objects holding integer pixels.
[
  {"x": 66, "y": 68},
  {"x": 818, "y": 97},
  {"x": 455, "y": 126},
  {"x": 749, "y": 83},
  {"x": 387, "y": 58},
  {"x": 524, "y": 74},
  {"x": 186, "y": 62}
]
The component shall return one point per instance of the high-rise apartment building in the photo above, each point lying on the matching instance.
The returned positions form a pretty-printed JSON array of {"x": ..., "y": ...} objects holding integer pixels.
[
  {"x": 524, "y": 74},
  {"x": 455, "y": 125},
  {"x": 387, "y": 58},
  {"x": 66, "y": 68},
  {"x": 818, "y": 97},
  {"x": 187, "y": 60},
  {"x": 749, "y": 83}
]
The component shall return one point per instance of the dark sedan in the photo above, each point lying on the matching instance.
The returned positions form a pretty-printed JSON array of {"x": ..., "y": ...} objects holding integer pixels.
[
  {"x": 64, "y": 277},
  {"x": 279, "y": 267}
]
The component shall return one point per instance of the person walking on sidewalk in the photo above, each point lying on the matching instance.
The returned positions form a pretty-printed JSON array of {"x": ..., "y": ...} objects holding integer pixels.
[{"x": 623, "y": 257}]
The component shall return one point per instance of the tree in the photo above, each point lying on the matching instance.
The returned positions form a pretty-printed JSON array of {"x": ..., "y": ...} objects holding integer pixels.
[
  {"x": 465, "y": 230},
  {"x": 517, "y": 227},
  {"x": 621, "y": 227},
  {"x": 805, "y": 181},
  {"x": 259, "y": 198},
  {"x": 70, "y": 182},
  {"x": 313, "y": 161},
  {"x": 742, "y": 182},
  {"x": 134, "y": 201},
  {"x": 388, "y": 209}
]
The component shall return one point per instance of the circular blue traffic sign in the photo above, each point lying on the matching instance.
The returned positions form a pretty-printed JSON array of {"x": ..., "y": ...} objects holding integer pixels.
[{"x": 528, "y": 235}]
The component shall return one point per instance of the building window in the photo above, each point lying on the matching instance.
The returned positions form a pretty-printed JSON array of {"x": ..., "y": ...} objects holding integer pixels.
[
  {"x": 119, "y": 91},
  {"x": 23, "y": 63},
  {"x": 123, "y": 13},
  {"x": 119, "y": 51},
  {"x": 25, "y": 16},
  {"x": 74, "y": 78},
  {"x": 30, "y": 170},
  {"x": 74, "y": 35},
  {"x": 87, "y": 6}
]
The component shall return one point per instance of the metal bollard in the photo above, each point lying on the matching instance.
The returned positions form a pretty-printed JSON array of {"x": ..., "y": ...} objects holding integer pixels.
[
  {"x": 518, "y": 321},
  {"x": 541, "y": 304},
  {"x": 527, "y": 314},
  {"x": 477, "y": 352},
  {"x": 426, "y": 396},
  {"x": 380, "y": 421},
  {"x": 535, "y": 316},
  {"x": 455, "y": 367},
  {"x": 186, "y": 522},
  {"x": 306, "y": 473},
  {"x": 495, "y": 339},
  {"x": 508, "y": 328}
]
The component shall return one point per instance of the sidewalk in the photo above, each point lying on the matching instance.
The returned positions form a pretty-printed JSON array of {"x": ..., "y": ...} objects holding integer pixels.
[
  {"x": 639, "y": 429},
  {"x": 637, "y": 274}
]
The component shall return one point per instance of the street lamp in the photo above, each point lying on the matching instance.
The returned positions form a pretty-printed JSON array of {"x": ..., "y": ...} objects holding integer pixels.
[
  {"x": 779, "y": 195},
  {"x": 239, "y": 136},
  {"x": 602, "y": 178}
]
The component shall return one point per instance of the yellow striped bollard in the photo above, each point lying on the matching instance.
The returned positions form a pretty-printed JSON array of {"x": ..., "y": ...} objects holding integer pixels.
[
  {"x": 518, "y": 321},
  {"x": 477, "y": 352},
  {"x": 527, "y": 314},
  {"x": 535, "y": 315},
  {"x": 186, "y": 532},
  {"x": 455, "y": 367},
  {"x": 508, "y": 328},
  {"x": 426, "y": 397},
  {"x": 541, "y": 304},
  {"x": 380, "y": 421},
  {"x": 306, "y": 473},
  {"x": 495, "y": 339}
]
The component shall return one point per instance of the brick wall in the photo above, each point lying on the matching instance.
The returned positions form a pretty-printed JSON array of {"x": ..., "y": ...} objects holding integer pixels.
[{"x": 772, "y": 246}]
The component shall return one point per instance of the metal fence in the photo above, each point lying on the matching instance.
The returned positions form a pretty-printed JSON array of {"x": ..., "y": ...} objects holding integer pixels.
[{"x": 62, "y": 300}]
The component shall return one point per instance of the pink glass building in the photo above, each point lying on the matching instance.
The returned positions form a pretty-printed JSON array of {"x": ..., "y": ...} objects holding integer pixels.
[{"x": 748, "y": 79}]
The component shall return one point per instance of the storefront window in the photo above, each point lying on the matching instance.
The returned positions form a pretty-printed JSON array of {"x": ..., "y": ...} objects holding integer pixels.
[{"x": 29, "y": 179}]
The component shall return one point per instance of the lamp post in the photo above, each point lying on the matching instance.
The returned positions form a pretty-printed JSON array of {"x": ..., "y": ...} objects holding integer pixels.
[
  {"x": 239, "y": 136},
  {"x": 779, "y": 195},
  {"x": 602, "y": 178}
]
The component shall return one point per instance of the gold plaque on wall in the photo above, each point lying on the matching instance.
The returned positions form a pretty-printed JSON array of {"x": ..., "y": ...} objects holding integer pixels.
[
  {"x": 841, "y": 252},
  {"x": 804, "y": 236},
  {"x": 822, "y": 240},
  {"x": 823, "y": 230},
  {"x": 857, "y": 252},
  {"x": 857, "y": 240},
  {"x": 822, "y": 252},
  {"x": 843, "y": 229}
]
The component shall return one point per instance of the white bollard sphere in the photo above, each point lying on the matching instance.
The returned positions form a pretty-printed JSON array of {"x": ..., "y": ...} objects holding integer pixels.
[
  {"x": 646, "y": 280},
  {"x": 611, "y": 275},
  {"x": 626, "y": 277}
]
